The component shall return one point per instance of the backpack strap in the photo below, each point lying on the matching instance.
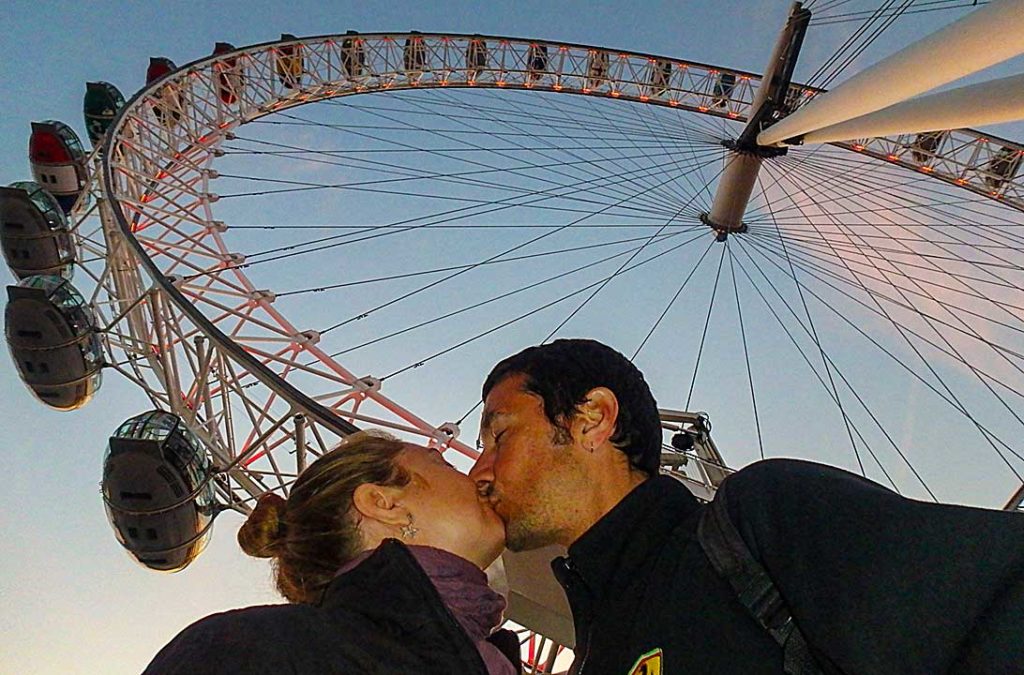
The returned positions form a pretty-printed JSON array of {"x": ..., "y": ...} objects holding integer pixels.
[{"x": 733, "y": 561}]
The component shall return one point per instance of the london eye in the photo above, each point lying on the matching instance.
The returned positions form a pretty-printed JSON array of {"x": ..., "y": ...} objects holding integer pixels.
[{"x": 283, "y": 243}]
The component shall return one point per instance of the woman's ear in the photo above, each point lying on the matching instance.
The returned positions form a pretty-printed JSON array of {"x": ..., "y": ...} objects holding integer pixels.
[
  {"x": 380, "y": 503},
  {"x": 596, "y": 417}
]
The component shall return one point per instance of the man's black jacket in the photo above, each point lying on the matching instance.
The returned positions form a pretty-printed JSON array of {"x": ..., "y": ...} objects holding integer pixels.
[
  {"x": 876, "y": 582},
  {"x": 383, "y": 617}
]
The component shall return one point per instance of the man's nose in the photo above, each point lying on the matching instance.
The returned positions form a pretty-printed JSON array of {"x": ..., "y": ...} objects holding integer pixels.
[{"x": 482, "y": 472}]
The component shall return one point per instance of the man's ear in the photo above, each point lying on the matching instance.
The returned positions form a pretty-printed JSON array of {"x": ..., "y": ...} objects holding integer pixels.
[
  {"x": 380, "y": 503},
  {"x": 596, "y": 416}
]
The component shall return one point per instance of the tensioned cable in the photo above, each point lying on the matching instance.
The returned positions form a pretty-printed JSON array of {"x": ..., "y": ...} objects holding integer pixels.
[
  {"x": 599, "y": 286},
  {"x": 677, "y": 195},
  {"x": 923, "y": 290},
  {"x": 465, "y": 226},
  {"x": 845, "y": 61},
  {"x": 883, "y": 175},
  {"x": 814, "y": 330},
  {"x": 821, "y": 19},
  {"x": 552, "y": 168},
  {"x": 955, "y": 405},
  {"x": 672, "y": 301},
  {"x": 704, "y": 334},
  {"x": 845, "y": 380},
  {"x": 826, "y": 6},
  {"x": 458, "y": 178},
  {"x": 945, "y": 386},
  {"x": 365, "y": 129},
  {"x": 746, "y": 349},
  {"x": 847, "y": 181},
  {"x": 549, "y": 122},
  {"x": 511, "y": 110},
  {"x": 845, "y": 280},
  {"x": 590, "y": 185},
  {"x": 529, "y": 313},
  {"x": 808, "y": 268},
  {"x": 582, "y": 119},
  {"x": 543, "y": 153},
  {"x": 444, "y": 216},
  {"x": 585, "y": 106},
  {"x": 814, "y": 370},
  {"x": 646, "y": 116},
  {"x": 452, "y": 268},
  {"x": 602, "y": 286},
  {"x": 871, "y": 40},
  {"x": 486, "y": 168},
  {"x": 955, "y": 257},
  {"x": 814, "y": 244},
  {"x": 912, "y": 183},
  {"x": 496, "y": 121},
  {"x": 482, "y": 148},
  {"x": 847, "y": 44},
  {"x": 493, "y": 257},
  {"x": 602, "y": 111},
  {"x": 942, "y": 336},
  {"x": 502, "y": 296}
]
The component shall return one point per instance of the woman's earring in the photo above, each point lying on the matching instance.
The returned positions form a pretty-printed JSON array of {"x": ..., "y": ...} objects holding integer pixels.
[{"x": 408, "y": 531}]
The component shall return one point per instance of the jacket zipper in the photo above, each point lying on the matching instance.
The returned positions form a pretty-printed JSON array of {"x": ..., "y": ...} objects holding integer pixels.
[
  {"x": 574, "y": 577},
  {"x": 583, "y": 661}
]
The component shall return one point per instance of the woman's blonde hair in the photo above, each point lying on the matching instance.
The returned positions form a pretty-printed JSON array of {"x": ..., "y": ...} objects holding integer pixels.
[{"x": 314, "y": 532}]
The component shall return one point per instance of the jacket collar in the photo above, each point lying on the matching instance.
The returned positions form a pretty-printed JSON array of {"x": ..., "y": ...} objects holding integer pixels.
[
  {"x": 390, "y": 588},
  {"x": 621, "y": 542}
]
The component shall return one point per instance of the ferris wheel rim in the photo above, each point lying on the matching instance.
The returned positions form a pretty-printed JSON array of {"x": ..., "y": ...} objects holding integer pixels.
[{"x": 270, "y": 378}]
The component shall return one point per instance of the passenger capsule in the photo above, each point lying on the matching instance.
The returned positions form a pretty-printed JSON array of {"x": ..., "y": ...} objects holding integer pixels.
[
  {"x": 290, "y": 63},
  {"x": 158, "y": 491},
  {"x": 58, "y": 161},
  {"x": 353, "y": 55},
  {"x": 414, "y": 55},
  {"x": 1003, "y": 167},
  {"x": 725, "y": 85},
  {"x": 926, "y": 144},
  {"x": 52, "y": 335},
  {"x": 34, "y": 232},
  {"x": 476, "y": 56},
  {"x": 536, "y": 61},
  {"x": 661, "y": 73},
  {"x": 229, "y": 74},
  {"x": 597, "y": 69},
  {"x": 168, "y": 104},
  {"x": 102, "y": 102}
]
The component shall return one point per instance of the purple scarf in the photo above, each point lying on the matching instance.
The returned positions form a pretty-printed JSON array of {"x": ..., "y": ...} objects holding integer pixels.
[{"x": 463, "y": 587}]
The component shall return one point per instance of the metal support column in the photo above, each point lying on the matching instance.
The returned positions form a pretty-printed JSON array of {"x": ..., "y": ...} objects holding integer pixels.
[{"x": 745, "y": 157}]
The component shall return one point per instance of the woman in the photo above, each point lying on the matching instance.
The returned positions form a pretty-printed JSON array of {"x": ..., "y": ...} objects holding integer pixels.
[{"x": 380, "y": 549}]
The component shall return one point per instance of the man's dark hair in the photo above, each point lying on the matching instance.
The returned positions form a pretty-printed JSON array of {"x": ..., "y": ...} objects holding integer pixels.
[{"x": 563, "y": 371}]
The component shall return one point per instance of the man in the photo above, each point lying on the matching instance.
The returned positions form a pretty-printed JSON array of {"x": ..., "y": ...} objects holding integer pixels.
[{"x": 873, "y": 582}]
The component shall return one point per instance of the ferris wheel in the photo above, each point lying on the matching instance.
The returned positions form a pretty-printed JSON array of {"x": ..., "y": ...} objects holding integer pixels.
[{"x": 813, "y": 269}]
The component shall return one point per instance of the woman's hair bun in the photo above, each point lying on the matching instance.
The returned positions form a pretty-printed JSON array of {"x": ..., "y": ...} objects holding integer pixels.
[{"x": 263, "y": 532}]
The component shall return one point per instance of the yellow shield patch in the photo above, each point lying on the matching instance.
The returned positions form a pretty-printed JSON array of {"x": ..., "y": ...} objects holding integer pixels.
[{"x": 648, "y": 664}]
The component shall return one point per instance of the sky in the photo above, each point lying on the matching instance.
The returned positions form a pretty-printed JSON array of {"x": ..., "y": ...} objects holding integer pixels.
[{"x": 74, "y": 601}]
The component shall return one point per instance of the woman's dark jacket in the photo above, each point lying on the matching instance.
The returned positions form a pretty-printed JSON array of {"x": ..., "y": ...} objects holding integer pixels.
[
  {"x": 384, "y": 616},
  {"x": 878, "y": 584}
]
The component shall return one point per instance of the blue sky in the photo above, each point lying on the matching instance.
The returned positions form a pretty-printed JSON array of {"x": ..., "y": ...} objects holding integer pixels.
[{"x": 74, "y": 601}]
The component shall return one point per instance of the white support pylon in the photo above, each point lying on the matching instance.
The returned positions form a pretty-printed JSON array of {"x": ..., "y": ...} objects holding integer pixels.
[
  {"x": 991, "y": 102},
  {"x": 985, "y": 37}
]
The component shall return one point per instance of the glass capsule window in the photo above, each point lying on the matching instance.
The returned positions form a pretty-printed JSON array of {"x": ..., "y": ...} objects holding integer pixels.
[
  {"x": 68, "y": 135},
  {"x": 179, "y": 447}
]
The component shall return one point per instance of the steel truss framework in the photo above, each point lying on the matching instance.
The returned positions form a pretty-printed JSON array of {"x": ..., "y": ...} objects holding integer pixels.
[{"x": 184, "y": 322}]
